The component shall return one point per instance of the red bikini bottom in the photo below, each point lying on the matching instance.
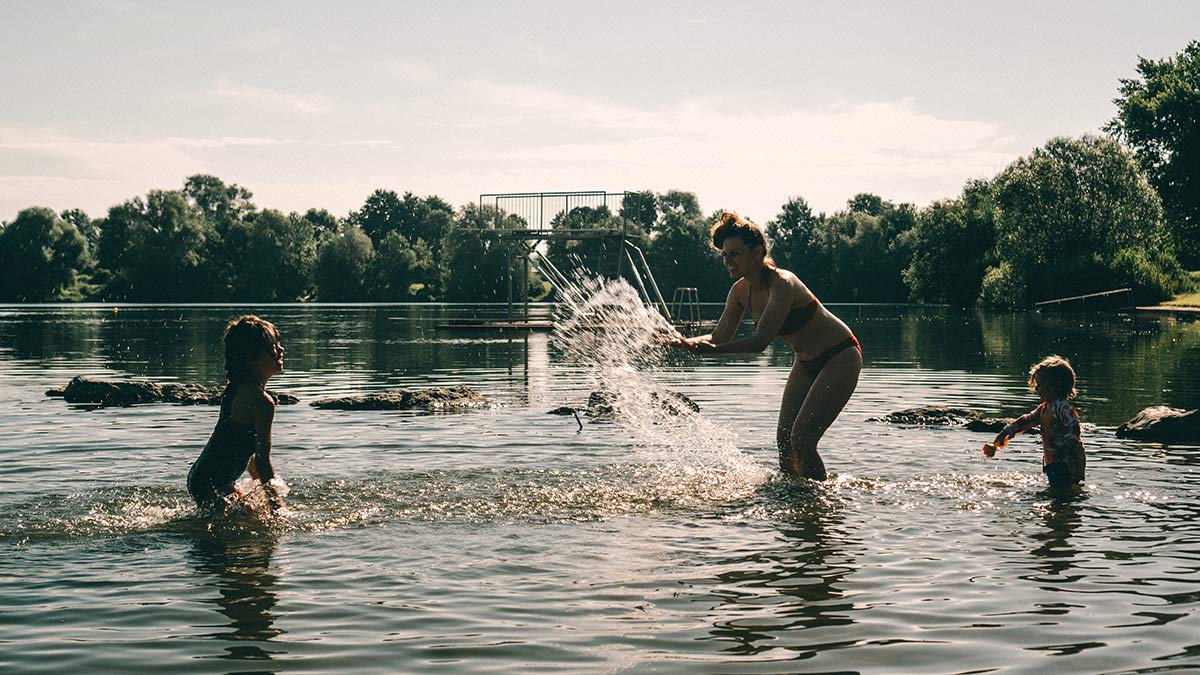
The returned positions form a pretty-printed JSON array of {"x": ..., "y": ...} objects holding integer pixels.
[{"x": 814, "y": 366}]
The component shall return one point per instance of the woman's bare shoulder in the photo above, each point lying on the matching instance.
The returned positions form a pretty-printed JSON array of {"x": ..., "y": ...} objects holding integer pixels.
[
  {"x": 740, "y": 290},
  {"x": 794, "y": 286}
]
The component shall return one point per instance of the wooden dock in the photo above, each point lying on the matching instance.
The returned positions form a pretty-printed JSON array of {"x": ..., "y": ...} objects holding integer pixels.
[{"x": 1120, "y": 298}]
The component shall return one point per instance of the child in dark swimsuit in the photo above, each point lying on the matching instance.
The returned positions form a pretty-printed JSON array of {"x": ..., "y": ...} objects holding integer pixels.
[
  {"x": 242, "y": 439},
  {"x": 1063, "y": 460}
]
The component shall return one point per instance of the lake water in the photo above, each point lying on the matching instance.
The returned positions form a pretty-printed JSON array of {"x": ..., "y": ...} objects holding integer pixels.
[{"x": 509, "y": 540}]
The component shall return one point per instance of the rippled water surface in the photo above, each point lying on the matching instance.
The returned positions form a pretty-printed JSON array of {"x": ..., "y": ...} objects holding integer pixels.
[{"x": 510, "y": 540}]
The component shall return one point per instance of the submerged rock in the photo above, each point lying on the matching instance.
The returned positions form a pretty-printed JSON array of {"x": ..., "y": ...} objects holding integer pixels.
[
  {"x": 1164, "y": 425},
  {"x": 931, "y": 416},
  {"x": 84, "y": 389},
  {"x": 603, "y": 404},
  {"x": 989, "y": 424},
  {"x": 434, "y": 398},
  {"x": 945, "y": 416}
]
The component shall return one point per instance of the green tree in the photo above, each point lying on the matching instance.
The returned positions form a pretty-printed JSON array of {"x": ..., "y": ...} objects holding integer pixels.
[
  {"x": 227, "y": 212},
  {"x": 679, "y": 203},
  {"x": 580, "y": 256},
  {"x": 343, "y": 264},
  {"x": 477, "y": 261},
  {"x": 1066, "y": 214},
  {"x": 835, "y": 266},
  {"x": 414, "y": 217},
  {"x": 216, "y": 200},
  {"x": 951, "y": 245},
  {"x": 276, "y": 259},
  {"x": 870, "y": 204},
  {"x": 155, "y": 249},
  {"x": 680, "y": 252},
  {"x": 41, "y": 254},
  {"x": 324, "y": 223},
  {"x": 427, "y": 219},
  {"x": 403, "y": 270},
  {"x": 640, "y": 209},
  {"x": 791, "y": 233},
  {"x": 858, "y": 254},
  {"x": 89, "y": 228},
  {"x": 1158, "y": 115},
  {"x": 380, "y": 213}
]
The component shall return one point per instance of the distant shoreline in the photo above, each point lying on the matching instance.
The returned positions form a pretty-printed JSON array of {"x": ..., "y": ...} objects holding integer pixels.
[{"x": 1167, "y": 309}]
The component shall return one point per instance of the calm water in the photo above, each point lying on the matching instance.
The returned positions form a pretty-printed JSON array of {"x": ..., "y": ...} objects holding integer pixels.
[{"x": 508, "y": 540}]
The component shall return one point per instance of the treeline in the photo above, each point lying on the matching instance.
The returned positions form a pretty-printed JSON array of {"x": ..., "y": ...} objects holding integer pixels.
[{"x": 1077, "y": 215}]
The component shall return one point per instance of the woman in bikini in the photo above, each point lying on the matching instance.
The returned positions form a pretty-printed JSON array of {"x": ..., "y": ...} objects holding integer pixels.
[{"x": 828, "y": 356}]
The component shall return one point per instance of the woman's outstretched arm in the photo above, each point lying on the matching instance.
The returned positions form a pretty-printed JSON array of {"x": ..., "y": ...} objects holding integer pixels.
[
  {"x": 727, "y": 325},
  {"x": 769, "y": 325}
]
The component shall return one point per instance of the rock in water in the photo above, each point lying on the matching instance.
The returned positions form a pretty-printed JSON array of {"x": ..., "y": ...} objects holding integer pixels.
[
  {"x": 434, "y": 398},
  {"x": 989, "y": 424},
  {"x": 603, "y": 404},
  {"x": 84, "y": 389},
  {"x": 931, "y": 416},
  {"x": 1164, "y": 425}
]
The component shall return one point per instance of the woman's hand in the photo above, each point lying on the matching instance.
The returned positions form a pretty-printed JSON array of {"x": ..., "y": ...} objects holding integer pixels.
[
  {"x": 696, "y": 345},
  {"x": 675, "y": 340}
]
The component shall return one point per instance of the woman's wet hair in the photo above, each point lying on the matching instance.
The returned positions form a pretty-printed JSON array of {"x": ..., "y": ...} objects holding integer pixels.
[
  {"x": 1055, "y": 371},
  {"x": 730, "y": 224},
  {"x": 247, "y": 338}
]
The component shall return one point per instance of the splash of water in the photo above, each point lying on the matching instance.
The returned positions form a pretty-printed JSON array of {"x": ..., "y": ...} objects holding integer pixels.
[{"x": 622, "y": 343}]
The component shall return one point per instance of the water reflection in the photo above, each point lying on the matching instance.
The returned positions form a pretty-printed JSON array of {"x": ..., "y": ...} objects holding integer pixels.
[
  {"x": 767, "y": 595},
  {"x": 1125, "y": 361},
  {"x": 236, "y": 563},
  {"x": 1060, "y": 519}
]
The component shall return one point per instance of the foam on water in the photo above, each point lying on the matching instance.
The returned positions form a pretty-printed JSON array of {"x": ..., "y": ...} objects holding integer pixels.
[{"x": 477, "y": 495}]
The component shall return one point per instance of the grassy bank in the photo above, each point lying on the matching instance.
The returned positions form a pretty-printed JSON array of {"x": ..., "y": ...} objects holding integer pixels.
[{"x": 1190, "y": 298}]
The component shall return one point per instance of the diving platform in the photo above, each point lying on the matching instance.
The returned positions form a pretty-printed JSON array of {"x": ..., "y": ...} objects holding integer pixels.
[{"x": 597, "y": 230}]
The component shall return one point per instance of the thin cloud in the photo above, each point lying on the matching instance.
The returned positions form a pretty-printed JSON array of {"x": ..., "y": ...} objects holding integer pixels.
[
  {"x": 305, "y": 104},
  {"x": 255, "y": 41},
  {"x": 536, "y": 53},
  {"x": 748, "y": 152},
  {"x": 223, "y": 141},
  {"x": 63, "y": 171},
  {"x": 687, "y": 132},
  {"x": 747, "y": 147},
  {"x": 408, "y": 71}
]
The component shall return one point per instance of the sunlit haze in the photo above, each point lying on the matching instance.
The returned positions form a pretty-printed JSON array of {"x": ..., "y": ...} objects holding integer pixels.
[{"x": 745, "y": 104}]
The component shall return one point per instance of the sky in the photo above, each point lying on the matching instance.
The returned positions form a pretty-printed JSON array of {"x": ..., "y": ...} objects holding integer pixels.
[{"x": 746, "y": 104}]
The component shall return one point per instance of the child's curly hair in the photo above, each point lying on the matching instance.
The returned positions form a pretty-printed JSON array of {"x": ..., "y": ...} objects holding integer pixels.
[
  {"x": 247, "y": 338},
  {"x": 1055, "y": 371},
  {"x": 730, "y": 224}
]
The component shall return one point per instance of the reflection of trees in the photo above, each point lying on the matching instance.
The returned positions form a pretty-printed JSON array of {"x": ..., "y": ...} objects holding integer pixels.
[
  {"x": 767, "y": 594},
  {"x": 177, "y": 342},
  {"x": 55, "y": 334},
  {"x": 1125, "y": 362},
  {"x": 379, "y": 341},
  {"x": 236, "y": 564},
  {"x": 1132, "y": 358}
]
